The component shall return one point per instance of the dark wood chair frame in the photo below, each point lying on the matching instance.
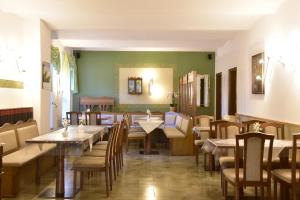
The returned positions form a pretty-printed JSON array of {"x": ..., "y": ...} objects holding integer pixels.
[
  {"x": 250, "y": 123},
  {"x": 89, "y": 114},
  {"x": 70, "y": 115},
  {"x": 240, "y": 184},
  {"x": 279, "y": 127},
  {"x": 294, "y": 185}
]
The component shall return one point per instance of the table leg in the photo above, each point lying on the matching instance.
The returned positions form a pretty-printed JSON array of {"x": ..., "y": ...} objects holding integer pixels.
[
  {"x": 60, "y": 170},
  {"x": 147, "y": 144}
]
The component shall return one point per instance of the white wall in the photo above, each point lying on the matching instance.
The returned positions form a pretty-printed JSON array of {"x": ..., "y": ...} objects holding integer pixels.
[
  {"x": 162, "y": 84},
  {"x": 278, "y": 36},
  {"x": 30, "y": 38}
]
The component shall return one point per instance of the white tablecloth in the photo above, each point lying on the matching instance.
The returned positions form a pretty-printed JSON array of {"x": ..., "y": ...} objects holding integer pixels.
[{"x": 150, "y": 124}]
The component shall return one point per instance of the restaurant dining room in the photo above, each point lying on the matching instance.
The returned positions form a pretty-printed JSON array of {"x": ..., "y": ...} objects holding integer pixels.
[{"x": 149, "y": 100}]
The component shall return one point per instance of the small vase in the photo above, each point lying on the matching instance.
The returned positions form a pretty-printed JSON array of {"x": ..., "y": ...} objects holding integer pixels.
[{"x": 65, "y": 132}]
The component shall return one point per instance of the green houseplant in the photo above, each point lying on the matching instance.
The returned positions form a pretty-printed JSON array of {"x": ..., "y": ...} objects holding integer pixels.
[{"x": 173, "y": 96}]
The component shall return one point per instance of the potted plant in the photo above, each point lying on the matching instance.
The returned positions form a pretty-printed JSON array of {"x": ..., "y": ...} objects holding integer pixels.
[{"x": 173, "y": 96}]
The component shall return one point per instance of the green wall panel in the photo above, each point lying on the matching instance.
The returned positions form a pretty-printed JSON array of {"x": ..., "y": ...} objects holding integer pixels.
[{"x": 98, "y": 73}]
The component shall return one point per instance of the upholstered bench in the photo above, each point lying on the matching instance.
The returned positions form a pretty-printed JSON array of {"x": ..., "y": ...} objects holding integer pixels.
[
  {"x": 180, "y": 136},
  {"x": 23, "y": 163}
]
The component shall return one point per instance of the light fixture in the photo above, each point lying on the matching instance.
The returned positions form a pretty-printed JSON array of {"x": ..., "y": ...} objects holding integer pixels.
[{"x": 150, "y": 86}]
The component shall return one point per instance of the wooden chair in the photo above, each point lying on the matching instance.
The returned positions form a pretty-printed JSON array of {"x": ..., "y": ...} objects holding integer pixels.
[
  {"x": 201, "y": 132},
  {"x": 289, "y": 177},
  {"x": 251, "y": 173},
  {"x": 133, "y": 134},
  {"x": 89, "y": 164},
  {"x": 214, "y": 132},
  {"x": 93, "y": 118},
  {"x": 73, "y": 117},
  {"x": 228, "y": 131},
  {"x": 249, "y": 124},
  {"x": 275, "y": 129}
]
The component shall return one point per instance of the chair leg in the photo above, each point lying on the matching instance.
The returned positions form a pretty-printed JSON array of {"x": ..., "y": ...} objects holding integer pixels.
[
  {"x": 74, "y": 182},
  {"x": 275, "y": 190},
  {"x": 196, "y": 155},
  {"x": 237, "y": 192},
  {"x": 110, "y": 176},
  {"x": 81, "y": 180},
  {"x": 106, "y": 182},
  {"x": 262, "y": 195},
  {"x": 269, "y": 191},
  {"x": 255, "y": 188},
  {"x": 294, "y": 192},
  {"x": 225, "y": 189},
  {"x": 122, "y": 157},
  {"x": 204, "y": 159}
]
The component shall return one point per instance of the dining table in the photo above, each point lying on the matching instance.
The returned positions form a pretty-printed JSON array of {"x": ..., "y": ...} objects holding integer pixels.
[
  {"x": 74, "y": 135},
  {"x": 280, "y": 149},
  {"x": 148, "y": 125}
]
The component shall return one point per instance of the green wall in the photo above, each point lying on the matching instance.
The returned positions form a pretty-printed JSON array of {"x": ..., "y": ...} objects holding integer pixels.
[{"x": 98, "y": 73}]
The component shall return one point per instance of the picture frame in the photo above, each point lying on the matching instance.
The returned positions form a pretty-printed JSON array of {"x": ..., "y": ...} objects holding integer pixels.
[
  {"x": 46, "y": 76},
  {"x": 258, "y": 85},
  {"x": 135, "y": 85}
]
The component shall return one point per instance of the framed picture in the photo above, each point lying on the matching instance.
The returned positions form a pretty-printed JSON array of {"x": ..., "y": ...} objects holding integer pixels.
[
  {"x": 138, "y": 86},
  {"x": 135, "y": 85},
  {"x": 258, "y": 85},
  {"x": 46, "y": 76},
  {"x": 131, "y": 85}
]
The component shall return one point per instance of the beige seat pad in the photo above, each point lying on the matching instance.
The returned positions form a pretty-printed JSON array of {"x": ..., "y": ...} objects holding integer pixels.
[
  {"x": 199, "y": 142},
  {"x": 136, "y": 135},
  {"x": 89, "y": 162},
  {"x": 285, "y": 174},
  {"x": 95, "y": 153},
  {"x": 230, "y": 174},
  {"x": 226, "y": 162}
]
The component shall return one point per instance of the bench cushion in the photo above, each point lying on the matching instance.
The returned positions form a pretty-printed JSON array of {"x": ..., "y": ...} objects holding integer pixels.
[
  {"x": 27, "y": 132},
  {"x": 178, "y": 121},
  {"x": 184, "y": 125},
  {"x": 173, "y": 133},
  {"x": 26, "y": 154},
  {"x": 10, "y": 140}
]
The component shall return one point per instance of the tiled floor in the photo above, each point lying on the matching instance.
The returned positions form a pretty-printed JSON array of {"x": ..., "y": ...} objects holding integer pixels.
[{"x": 146, "y": 177}]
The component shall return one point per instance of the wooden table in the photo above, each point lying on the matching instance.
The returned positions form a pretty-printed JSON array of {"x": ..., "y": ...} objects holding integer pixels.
[
  {"x": 149, "y": 125},
  {"x": 280, "y": 149},
  {"x": 76, "y": 134}
]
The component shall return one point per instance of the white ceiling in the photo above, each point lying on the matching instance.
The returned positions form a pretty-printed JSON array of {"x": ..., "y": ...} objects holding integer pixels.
[{"x": 144, "y": 24}]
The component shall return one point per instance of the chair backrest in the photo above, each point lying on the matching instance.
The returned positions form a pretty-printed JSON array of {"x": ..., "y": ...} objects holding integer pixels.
[
  {"x": 203, "y": 120},
  {"x": 170, "y": 118},
  {"x": 93, "y": 118},
  {"x": 275, "y": 129},
  {"x": 214, "y": 127},
  {"x": 73, "y": 117},
  {"x": 8, "y": 136},
  {"x": 178, "y": 121},
  {"x": 111, "y": 141},
  {"x": 230, "y": 129},
  {"x": 249, "y": 124},
  {"x": 25, "y": 131},
  {"x": 295, "y": 151},
  {"x": 253, "y": 155},
  {"x": 230, "y": 118}
]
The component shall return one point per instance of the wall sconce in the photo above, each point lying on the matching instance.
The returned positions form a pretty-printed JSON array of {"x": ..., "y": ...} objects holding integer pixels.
[{"x": 150, "y": 86}]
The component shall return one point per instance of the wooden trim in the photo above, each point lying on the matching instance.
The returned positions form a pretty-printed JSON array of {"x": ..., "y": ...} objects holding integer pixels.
[
  {"x": 11, "y": 84},
  {"x": 267, "y": 120}
]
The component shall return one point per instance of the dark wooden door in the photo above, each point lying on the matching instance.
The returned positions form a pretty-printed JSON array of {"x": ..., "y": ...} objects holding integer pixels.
[
  {"x": 219, "y": 95},
  {"x": 232, "y": 91}
]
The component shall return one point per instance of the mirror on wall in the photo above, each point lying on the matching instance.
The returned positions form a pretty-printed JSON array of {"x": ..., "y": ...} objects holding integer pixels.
[{"x": 203, "y": 86}]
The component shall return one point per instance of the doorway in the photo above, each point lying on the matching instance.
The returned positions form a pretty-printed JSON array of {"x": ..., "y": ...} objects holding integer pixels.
[
  {"x": 219, "y": 96},
  {"x": 232, "y": 91}
]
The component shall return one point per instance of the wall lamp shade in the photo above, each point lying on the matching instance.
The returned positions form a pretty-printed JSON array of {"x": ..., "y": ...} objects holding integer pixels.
[{"x": 150, "y": 86}]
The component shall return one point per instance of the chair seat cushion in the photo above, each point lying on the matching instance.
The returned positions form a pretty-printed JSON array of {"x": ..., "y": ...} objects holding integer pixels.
[
  {"x": 89, "y": 162},
  {"x": 95, "y": 153},
  {"x": 102, "y": 142},
  {"x": 136, "y": 134},
  {"x": 285, "y": 175},
  {"x": 173, "y": 133},
  {"x": 226, "y": 162},
  {"x": 100, "y": 146},
  {"x": 229, "y": 174},
  {"x": 199, "y": 142}
]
